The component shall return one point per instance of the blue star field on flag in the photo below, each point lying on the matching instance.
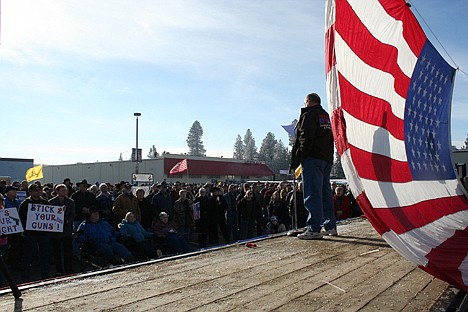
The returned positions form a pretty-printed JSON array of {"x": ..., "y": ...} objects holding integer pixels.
[{"x": 427, "y": 117}]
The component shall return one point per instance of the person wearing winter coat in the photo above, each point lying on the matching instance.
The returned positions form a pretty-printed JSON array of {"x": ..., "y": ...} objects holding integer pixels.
[
  {"x": 202, "y": 224},
  {"x": 137, "y": 239},
  {"x": 183, "y": 215},
  {"x": 249, "y": 214},
  {"x": 99, "y": 236},
  {"x": 166, "y": 232},
  {"x": 126, "y": 202},
  {"x": 62, "y": 242}
]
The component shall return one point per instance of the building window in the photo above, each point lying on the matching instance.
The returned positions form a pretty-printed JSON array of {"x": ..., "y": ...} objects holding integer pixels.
[
  {"x": 195, "y": 176},
  {"x": 214, "y": 177}
]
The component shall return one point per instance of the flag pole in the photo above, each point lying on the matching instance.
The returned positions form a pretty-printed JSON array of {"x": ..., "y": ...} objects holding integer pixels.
[
  {"x": 294, "y": 231},
  {"x": 294, "y": 215}
]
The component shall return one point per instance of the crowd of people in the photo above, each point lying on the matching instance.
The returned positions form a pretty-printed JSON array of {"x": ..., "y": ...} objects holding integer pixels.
[{"x": 123, "y": 225}]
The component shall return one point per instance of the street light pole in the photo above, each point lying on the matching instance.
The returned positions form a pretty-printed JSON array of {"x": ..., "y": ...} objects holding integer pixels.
[{"x": 136, "y": 150}]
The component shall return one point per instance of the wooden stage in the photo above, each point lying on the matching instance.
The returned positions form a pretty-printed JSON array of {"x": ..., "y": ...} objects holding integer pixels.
[{"x": 354, "y": 271}]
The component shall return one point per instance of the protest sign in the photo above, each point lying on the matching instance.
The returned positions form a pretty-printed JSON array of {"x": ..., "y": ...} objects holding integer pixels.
[
  {"x": 45, "y": 218},
  {"x": 10, "y": 222},
  {"x": 196, "y": 211},
  {"x": 21, "y": 195}
]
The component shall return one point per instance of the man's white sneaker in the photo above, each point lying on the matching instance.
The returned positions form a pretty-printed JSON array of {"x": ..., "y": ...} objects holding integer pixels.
[
  {"x": 330, "y": 232},
  {"x": 310, "y": 235}
]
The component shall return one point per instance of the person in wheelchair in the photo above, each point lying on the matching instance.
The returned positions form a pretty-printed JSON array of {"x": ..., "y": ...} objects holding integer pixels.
[
  {"x": 97, "y": 235},
  {"x": 137, "y": 239},
  {"x": 166, "y": 234}
]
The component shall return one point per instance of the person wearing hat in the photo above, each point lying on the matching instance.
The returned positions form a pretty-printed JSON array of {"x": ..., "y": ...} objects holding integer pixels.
[
  {"x": 162, "y": 202},
  {"x": 232, "y": 223},
  {"x": 34, "y": 239},
  {"x": 10, "y": 197},
  {"x": 69, "y": 186},
  {"x": 118, "y": 188},
  {"x": 14, "y": 240},
  {"x": 126, "y": 202},
  {"x": 3, "y": 185},
  {"x": 167, "y": 235},
  {"x": 176, "y": 187},
  {"x": 202, "y": 224},
  {"x": 183, "y": 215},
  {"x": 208, "y": 187},
  {"x": 62, "y": 242},
  {"x": 24, "y": 187},
  {"x": 274, "y": 226},
  {"x": 99, "y": 236},
  {"x": 105, "y": 201},
  {"x": 83, "y": 200},
  {"x": 153, "y": 190},
  {"x": 217, "y": 218}
]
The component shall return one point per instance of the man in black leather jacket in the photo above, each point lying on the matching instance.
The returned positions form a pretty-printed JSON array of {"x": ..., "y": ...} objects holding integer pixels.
[{"x": 313, "y": 149}]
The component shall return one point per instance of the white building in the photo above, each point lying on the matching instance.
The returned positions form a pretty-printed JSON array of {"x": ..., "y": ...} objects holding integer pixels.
[{"x": 200, "y": 170}]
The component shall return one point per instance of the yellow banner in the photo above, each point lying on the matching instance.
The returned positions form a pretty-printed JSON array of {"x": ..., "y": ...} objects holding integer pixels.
[{"x": 34, "y": 173}]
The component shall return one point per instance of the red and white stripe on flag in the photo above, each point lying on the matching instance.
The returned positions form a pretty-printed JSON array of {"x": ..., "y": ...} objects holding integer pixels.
[
  {"x": 181, "y": 166},
  {"x": 389, "y": 92}
]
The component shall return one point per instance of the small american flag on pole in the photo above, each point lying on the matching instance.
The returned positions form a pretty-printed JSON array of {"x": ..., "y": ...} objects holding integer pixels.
[
  {"x": 181, "y": 166},
  {"x": 389, "y": 92}
]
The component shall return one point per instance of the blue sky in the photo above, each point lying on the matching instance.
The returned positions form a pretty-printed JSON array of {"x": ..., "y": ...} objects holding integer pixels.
[{"x": 73, "y": 73}]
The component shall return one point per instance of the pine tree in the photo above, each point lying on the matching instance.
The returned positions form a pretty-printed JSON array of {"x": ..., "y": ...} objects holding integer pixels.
[
  {"x": 267, "y": 149},
  {"x": 153, "y": 153},
  {"x": 194, "y": 140},
  {"x": 238, "y": 148},
  {"x": 466, "y": 142},
  {"x": 337, "y": 169},
  {"x": 281, "y": 157},
  {"x": 120, "y": 157},
  {"x": 250, "y": 150}
]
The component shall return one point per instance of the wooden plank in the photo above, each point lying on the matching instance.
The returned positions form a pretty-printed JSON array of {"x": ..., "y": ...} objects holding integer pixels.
[
  {"x": 424, "y": 300},
  {"x": 284, "y": 286},
  {"x": 283, "y": 273},
  {"x": 402, "y": 293},
  {"x": 383, "y": 277},
  {"x": 240, "y": 285},
  {"x": 327, "y": 272},
  {"x": 90, "y": 286},
  {"x": 129, "y": 291}
]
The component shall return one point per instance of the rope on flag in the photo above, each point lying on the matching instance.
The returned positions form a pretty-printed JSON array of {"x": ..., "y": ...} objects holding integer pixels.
[
  {"x": 181, "y": 166},
  {"x": 389, "y": 92},
  {"x": 34, "y": 173}
]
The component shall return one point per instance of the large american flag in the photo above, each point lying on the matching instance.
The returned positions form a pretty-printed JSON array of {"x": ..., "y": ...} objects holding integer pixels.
[
  {"x": 181, "y": 166},
  {"x": 389, "y": 92}
]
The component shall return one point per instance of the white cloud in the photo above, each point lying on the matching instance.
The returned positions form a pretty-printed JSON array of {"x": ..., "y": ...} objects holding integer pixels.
[{"x": 186, "y": 32}]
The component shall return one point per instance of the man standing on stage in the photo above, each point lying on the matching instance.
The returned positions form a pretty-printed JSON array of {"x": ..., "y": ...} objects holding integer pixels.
[{"x": 313, "y": 149}]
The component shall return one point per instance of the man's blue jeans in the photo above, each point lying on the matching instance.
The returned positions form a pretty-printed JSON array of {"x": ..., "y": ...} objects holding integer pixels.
[{"x": 318, "y": 198}]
